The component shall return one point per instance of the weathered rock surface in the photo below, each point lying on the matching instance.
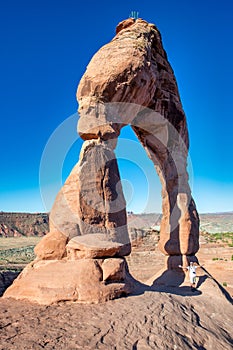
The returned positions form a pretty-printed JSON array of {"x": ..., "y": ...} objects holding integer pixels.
[
  {"x": 144, "y": 78},
  {"x": 87, "y": 221},
  {"x": 114, "y": 270},
  {"x": 92, "y": 200},
  {"x": 82, "y": 280},
  {"x": 52, "y": 246},
  {"x": 158, "y": 317},
  {"x": 92, "y": 246},
  {"x": 169, "y": 319}
]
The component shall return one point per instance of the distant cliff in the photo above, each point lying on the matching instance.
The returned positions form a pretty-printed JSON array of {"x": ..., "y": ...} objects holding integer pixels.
[
  {"x": 26, "y": 224},
  {"x": 23, "y": 224}
]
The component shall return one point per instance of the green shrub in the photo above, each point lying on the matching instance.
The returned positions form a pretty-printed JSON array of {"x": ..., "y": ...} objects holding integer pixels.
[
  {"x": 224, "y": 284},
  {"x": 222, "y": 235}
]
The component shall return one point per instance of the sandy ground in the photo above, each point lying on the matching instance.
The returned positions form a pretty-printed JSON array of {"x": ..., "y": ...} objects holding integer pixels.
[{"x": 217, "y": 260}]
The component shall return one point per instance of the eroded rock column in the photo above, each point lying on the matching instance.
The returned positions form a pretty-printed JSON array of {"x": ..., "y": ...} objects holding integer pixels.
[
  {"x": 179, "y": 231},
  {"x": 82, "y": 257}
]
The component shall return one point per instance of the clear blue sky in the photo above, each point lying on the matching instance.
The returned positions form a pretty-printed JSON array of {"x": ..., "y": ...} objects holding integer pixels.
[{"x": 45, "y": 47}]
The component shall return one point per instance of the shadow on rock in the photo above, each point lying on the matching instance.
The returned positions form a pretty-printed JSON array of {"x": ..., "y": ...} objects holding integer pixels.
[
  {"x": 170, "y": 281},
  {"x": 6, "y": 279},
  {"x": 201, "y": 280}
]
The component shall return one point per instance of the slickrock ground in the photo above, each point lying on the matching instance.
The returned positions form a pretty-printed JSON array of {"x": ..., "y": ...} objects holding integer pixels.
[
  {"x": 150, "y": 320},
  {"x": 174, "y": 318}
]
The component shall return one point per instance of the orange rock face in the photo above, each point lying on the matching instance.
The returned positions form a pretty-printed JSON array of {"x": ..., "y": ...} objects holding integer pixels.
[
  {"x": 84, "y": 280},
  {"x": 91, "y": 200},
  {"x": 123, "y": 78},
  {"x": 52, "y": 246}
]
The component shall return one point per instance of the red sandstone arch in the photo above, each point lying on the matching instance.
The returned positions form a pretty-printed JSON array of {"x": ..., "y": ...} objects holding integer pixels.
[
  {"x": 128, "y": 81},
  {"x": 133, "y": 69}
]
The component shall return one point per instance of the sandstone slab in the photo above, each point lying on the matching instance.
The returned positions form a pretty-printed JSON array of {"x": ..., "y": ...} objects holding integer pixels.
[{"x": 92, "y": 246}]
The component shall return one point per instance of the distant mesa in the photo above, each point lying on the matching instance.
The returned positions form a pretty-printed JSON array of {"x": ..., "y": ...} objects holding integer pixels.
[
  {"x": 37, "y": 224},
  {"x": 23, "y": 224}
]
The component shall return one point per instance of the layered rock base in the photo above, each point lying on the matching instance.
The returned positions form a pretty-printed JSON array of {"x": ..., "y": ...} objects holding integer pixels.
[{"x": 89, "y": 274}]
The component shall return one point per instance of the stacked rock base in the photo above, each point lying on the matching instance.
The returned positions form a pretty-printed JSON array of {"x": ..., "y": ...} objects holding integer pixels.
[{"x": 87, "y": 275}]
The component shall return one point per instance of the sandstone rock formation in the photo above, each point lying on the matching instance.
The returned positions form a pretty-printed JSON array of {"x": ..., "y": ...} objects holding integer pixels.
[
  {"x": 125, "y": 76},
  {"x": 128, "y": 81},
  {"x": 91, "y": 201},
  {"x": 82, "y": 280},
  {"x": 81, "y": 258}
]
